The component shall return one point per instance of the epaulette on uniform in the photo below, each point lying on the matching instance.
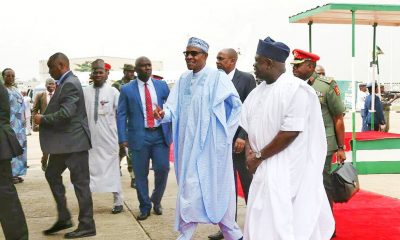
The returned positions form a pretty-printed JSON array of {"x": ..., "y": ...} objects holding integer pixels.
[{"x": 327, "y": 80}]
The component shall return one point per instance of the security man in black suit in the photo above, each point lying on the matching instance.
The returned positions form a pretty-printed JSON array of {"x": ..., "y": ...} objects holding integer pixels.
[
  {"x": 12, "y": 217},
  {"x": 244, "y": 84},
  {"x": 65, "y": 135}
]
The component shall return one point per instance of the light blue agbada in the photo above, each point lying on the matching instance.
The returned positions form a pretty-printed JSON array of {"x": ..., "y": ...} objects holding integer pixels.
[{"x": 204, "y": 109}]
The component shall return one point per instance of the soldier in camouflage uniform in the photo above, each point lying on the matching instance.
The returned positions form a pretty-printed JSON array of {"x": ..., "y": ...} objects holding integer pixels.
[
  {"x": 129, "y": 74},
  {"x": 332, "y": 109},
  {"x": 386, "y": 100}
]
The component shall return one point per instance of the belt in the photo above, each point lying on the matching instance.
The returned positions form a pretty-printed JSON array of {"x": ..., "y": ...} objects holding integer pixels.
[{"x": 153, "y": 128}]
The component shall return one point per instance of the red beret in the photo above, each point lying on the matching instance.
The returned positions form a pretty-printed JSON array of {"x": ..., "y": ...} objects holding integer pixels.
[
  {"x": 107, "y": 66},
  {"x": 301, "y": 56},
  {"x": 157, "y": 77}
]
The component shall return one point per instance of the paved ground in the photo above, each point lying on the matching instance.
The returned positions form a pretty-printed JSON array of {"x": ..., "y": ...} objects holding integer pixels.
[
  {"x": 40, "y": 209},
  {"x": 39, "y": 205}
]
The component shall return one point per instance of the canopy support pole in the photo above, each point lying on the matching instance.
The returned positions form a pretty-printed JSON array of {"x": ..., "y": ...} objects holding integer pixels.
[
  {"x": 310, "y": 35},
  {"x": 353, "y": 79},
  {"x": 374, "y": 66}
]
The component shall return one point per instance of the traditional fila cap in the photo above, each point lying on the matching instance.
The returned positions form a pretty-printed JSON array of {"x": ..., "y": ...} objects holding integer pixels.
[
  {"x": 199, "y": 43},
  {"x": 274, "y": 50}
]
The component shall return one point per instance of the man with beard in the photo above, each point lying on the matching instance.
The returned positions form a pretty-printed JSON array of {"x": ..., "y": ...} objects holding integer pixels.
[
  {"x": 101, "y": 101},
  {"x": 204, "y": 108},
  {"x": 285, "y": 149}
]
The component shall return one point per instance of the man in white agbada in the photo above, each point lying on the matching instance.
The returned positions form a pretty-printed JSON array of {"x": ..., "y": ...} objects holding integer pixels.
[
  {"x": 101, "y": 102},
  {"x": 286, "y": 149},
  {"x": 204, "y": 108}
]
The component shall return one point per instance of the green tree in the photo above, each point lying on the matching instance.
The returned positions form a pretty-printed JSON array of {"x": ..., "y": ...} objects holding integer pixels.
[{"x": 84, "y": 67}]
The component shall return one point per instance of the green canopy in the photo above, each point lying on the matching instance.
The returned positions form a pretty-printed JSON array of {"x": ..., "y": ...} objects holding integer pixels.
[
  {"x": 337, "y": 13},
  {"x": 357, "y": 14}
]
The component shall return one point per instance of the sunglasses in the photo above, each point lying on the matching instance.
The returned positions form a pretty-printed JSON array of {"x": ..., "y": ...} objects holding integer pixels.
[{"x": 191, "y": 53}]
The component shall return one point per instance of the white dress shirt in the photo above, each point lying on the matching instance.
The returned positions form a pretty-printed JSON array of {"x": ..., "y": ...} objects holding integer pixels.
[{"x": 153, "y": 95}]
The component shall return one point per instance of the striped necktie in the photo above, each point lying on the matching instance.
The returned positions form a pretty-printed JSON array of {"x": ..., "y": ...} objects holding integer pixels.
[{"x": 149, "y": 107}]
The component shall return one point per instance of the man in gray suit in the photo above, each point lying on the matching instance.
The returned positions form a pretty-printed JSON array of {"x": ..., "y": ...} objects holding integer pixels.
[
  {"x": 64, "y": 134},
  {"x": 244, "y": 83},
  {"x": 12, "y": 218}
]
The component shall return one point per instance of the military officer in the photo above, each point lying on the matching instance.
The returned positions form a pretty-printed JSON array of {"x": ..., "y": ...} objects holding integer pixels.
[
  {"x": 129, "y": 74},
  {"x": 332, "y": 108},
  {"x": 386, "y": 100}
]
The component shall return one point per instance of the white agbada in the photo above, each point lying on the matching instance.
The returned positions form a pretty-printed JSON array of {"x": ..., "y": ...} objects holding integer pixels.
[
  {"x": 287, "y": 199},
  {"x": 103, "y": 157}
]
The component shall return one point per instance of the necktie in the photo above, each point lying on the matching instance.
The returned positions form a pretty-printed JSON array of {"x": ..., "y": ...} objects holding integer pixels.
[
  {"x": 149, "y": 107},
  {"x": 96, "y": 104}
]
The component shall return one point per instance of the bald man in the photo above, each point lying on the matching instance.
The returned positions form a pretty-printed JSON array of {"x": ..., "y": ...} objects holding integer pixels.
[
  {"x": 244, "y": 84},
  {"x": 320, "y": 70},
  {"x": 65, "y": 135}
]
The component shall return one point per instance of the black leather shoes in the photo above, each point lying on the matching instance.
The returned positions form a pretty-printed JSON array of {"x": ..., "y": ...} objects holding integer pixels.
[
  {"x": 157, "y": 209},
  {"x": 143, "y": 216},
  {"x": 216, "y": 236},
  {"x": 80, "y": 233},
  {"x": 58, "y": 226},
  {"x": 133, "y": 183},
  {"x": 117, "y": 209}
]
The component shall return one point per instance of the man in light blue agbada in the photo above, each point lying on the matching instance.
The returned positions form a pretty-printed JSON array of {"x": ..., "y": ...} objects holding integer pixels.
[{"x": 204, "y": 108}]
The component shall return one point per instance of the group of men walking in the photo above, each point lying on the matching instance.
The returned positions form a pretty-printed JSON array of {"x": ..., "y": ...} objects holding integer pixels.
[{"x": 279, "y": 142}]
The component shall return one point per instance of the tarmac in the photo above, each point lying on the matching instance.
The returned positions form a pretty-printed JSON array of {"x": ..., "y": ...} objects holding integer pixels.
[{"x": 40, "y": 209}]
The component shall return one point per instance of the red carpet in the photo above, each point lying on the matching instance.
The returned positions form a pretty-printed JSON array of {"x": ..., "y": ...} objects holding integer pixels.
[
  {"x": 365, "y": 136},
  {"x": 367, "y": 216}
]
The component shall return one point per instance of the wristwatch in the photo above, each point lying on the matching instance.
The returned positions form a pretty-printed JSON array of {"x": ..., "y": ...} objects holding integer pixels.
[
  {"x": 258, "y": 155},
  {"x": 341, "y": 147}
]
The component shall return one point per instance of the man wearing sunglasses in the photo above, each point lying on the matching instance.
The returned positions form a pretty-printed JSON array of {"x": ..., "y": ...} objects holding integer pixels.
[{"x": 204, "y": 108}]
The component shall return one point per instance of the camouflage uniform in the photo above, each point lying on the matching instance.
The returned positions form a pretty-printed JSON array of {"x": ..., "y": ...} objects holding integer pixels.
[
  {"x": 386, "y": 110},
  {"x": 122, "y": 152},
  {"x": 331, "y": 105}
]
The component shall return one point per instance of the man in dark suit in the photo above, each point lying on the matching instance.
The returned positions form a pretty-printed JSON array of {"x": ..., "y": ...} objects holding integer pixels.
[
  {"x": 244, "y": 83},
  {"x": 64, "y": 134},
  {"x": 145, "y": 136},
  {"x": 39, "y": 106},
  {"x": 12, "y": 216}
]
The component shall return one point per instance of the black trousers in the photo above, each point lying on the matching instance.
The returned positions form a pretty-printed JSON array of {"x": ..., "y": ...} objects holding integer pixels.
[
  {"x": 12, "y": 217},
  {"x": 239, "y": 166},
  {"x": 78, "y": 165}
]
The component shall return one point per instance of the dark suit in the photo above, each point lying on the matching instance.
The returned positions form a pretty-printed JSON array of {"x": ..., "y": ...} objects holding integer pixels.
[
  {"x": 244, "y": 84},
  {"x": 64, "y": 134},
  {"x": 145, "y": 143},
  {"x": 12, "y": 217},
  {"x": 39, "y": 106}
]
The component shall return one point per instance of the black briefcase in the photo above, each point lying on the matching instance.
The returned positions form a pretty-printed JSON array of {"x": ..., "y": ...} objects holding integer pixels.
[{"x": 345, "y": 182}]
